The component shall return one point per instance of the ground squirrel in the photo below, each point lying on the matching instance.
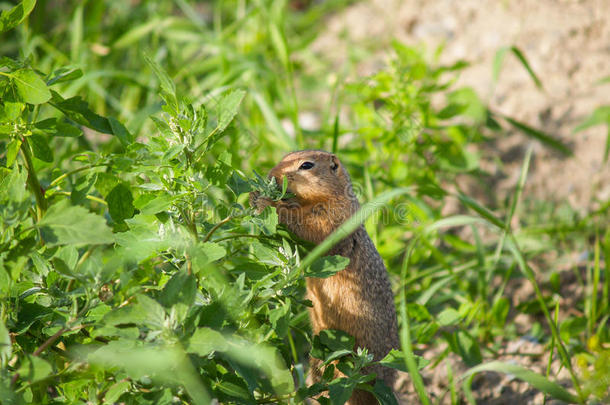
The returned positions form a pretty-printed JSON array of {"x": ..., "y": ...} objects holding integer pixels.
[{"x": 358, "y": 299}]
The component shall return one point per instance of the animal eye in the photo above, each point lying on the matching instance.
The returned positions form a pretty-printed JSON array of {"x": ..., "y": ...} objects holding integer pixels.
[{"x": 306, "y": 166}]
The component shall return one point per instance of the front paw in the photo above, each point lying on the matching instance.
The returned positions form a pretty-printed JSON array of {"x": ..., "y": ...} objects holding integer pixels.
[{"x": 258, "y": 202}]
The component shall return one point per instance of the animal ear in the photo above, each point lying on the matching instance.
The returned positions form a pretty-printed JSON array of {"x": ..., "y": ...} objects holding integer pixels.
[{"x": 334, "y": 163}]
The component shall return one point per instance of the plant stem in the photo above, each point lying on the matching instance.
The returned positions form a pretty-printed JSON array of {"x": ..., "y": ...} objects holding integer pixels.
[
  {"x": 71, "y": 172},
  {"x": 88, "y": 197},
  {"x": 190, "y": 224},
  {"x": 33, "y": 183},
  {"x": 218, "y": 225},
  {"x": 236, "y": 236},
  {"x": 48, "y": 343}
]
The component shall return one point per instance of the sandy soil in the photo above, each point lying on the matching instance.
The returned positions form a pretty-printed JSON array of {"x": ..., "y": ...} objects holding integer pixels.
[{"x": 568, "y": 45}]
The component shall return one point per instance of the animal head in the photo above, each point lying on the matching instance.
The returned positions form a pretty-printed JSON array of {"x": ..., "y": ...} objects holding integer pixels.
[{"x": 313, "y": 177}]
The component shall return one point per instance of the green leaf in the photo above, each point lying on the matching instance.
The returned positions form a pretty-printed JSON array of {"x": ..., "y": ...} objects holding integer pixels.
[
  {"x": 340, "y": 390},
  {"x": 278, "y": 317},
  {"x": 120, "y": 202},
  {"x": 6, "y": 347},
  {"x": 143, "y": 238},
  {"x": 238, "y": 185},
  {"x": 78, "y": 110},
  {"x": 468, "y": 102},
  {"x": 266, "y": 358},
  {"x": 163, "y": 364},
  {"x": 500, "y": 310},
  {"x": 205, "y": 253},
  {"x": 536, "y": 380},
  {"x": 34, "y": 369},
  {"x": 105, "y": 182},
  {"x": 66, "y": 130},
  {"x": 180, "y": 289},
  {"x": 448, "y": 316},
  {"x": 166, "y": 82},
  {"x": 115, "y": 391},
  {"x": 151, "y": 204},
  {"x": 228, "y": 107},
  {"x": 12, "y": 111},
  {"x": 12, "y": 149},
  {"x": 30, "y": 87},
  {"x": 13, "y": 185},
  {"x": 465, "y": 346},
  {"x": 384, "y": 394},
  {"x": 396, "y": 359},
  {"x": 205, "y": 340},
  {"x": 41, "y": 149},
  {"x": 119, "y": 130},
  {"x": 81, "y": 187},
  {"x": 144, "y": 312},
  {"x": 219, "y": 173},
  {"x": 64, "y": 74},
  {"x": 541, "y": 136},
  {"x": 64, "y": 224},
  {"x": 267, "y": 255},
  {"x": 451, "y": 110},
  {"x": 326, "y": 266},
  {"x": 13, "y": 17},
  {"x": 233, "y": 389},
  {"x": 267, "y": 221},
  {"x": 336, "y": 339}
]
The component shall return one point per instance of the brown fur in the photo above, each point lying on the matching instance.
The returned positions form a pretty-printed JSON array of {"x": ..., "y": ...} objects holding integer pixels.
[{"x": 357, "y": 300}]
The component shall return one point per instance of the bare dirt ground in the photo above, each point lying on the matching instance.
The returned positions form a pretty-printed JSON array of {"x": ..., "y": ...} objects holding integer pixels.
[{"x": 567, "y": 44}]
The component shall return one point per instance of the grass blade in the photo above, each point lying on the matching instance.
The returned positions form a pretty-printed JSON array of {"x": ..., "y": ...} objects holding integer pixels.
[
  {"x": 351, "y": 224},
  {"x": 515, "y": 202},
  {"x": 284, "y": 140},
  {"x": 481, "y": 210},
  {"x": 453, "y": 221},
  {"x": 405, "y": 334},
  {"x": 536, "y": 380},
  {"x": 499, "y": 61},
  {"x": 552, "y": 347},
  {"x": 594, "y": 288},
  {"x": 335, "y": 134},
  {"x": 529, "y": 274},
  {"x": 601, "y": 115},
  {"x": 517, "y": 52},
  {"x": 76, "y": 34},
  {"x": 541, "y": 136}
]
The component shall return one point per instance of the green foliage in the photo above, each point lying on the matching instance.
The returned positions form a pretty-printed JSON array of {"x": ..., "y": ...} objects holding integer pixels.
[
  {"x": 133, "y": 270},
  {"x": 11, "y": 18}
]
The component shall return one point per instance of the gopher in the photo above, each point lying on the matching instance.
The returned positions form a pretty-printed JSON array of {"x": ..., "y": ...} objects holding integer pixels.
[{"x": 358, "y": 299}]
